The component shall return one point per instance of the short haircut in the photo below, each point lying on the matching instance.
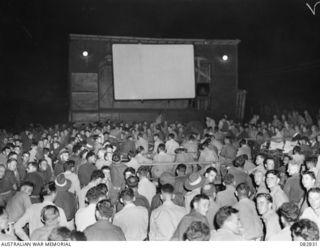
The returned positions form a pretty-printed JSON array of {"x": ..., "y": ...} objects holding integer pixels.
[
  {"x": 116, "y": 157},
  {"x": 314, "y": 190},
  {"x": 243, "y": 189},
  {"x": 27, "y": 183},
  {"x": 267, "y": 196},
  {"x": 242, "y": 142},
  {"x": 69, "y": 165},
  {"x": 306, "y": 229},
  {"x": 61, "y": 233},
  {"x": 239, "y": 162},
  {"x": 310, "y": 173},
  {"x": 102, "y": 187},
  {"x": 167, "y": 188},
  {"x": 49, "y": 213},
  {"x": 90, "y": 154},
  {"x": 33, "y": 164},
  {"x": 289, "y": 211},
  {"x": 263, "y": 156},
  {"x": 171, "y": 135},
  {"x": 223, "y": 214},
  {"x": 127, "y": 194},
  {"x": 312, "y": 159},
  {"x": 140, "y": 148},
  {"x": 105, "y": 208},
  {"x": 96, "y": 174},
  {"x": 208, "y": 189},
  {"x": 197, "y": 199},
  {"x": 106, "y": 167},
  {"x": 228, "y": 179},
  {"x": 93, "y": 195},
  {"x": 129, "y": 169},
  {"x": 143, "y": 170},
  {"x": 197, "y": 231},
  {"x": 48, "y": 189},
  {"x": 208, "y": 170},
  {"x": 161, "y": 147},
  {"x": 273, "y": 172}
]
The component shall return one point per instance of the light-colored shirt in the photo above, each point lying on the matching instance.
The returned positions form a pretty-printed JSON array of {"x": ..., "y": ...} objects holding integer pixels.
[
  {"x": 133, "y": 163},
  {"x": 75, "y": 183},
  {"x": 82, "y": 195},
  {"x": 85, "y": 217},
  {"x": 164, "y": 221},
  {"x": 283, "y": 235},
  {"x": 224, "y": 234},
  {"x": 18, "y": 205},
  {"x": 310, "y": 214},
  {"x": 189, "y": 196},
  {"x": 171, "y": 146},
  {"x": 33, "y": 217},
  {"x": 227, "y": 197},
  {"x": 146, "y": 188},
  {"x": 133, "y": 221},
  {"x": 272, "y": 224},
  {"x": 278, "y": 197},
  {"x": 250, "y": 221}
]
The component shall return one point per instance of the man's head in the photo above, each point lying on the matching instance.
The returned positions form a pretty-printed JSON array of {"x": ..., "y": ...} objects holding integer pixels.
[
  {"x": 228, "y": 179},
  {"x": 49, "y": 192},
  {"x": 197, "y": 231},
  {"x": 211, "y": 174},
  {"x": 94, "y": 195},
  {"x": 50, "y": 215},
  {"x": 314, "y": 198},
  {"x": 128, "y": 172},
  {"x": 209, "y": 189},
  {"x": 97, "y": 177},
  {"x": 91, "y": 157},
  {"x": 12, "y": 164},
  {"x": 106, "y": 171},
  {"x": 269, "y": 163},
  {"x": 272, "y": 179},
  {"x": 200, "y": 203},
  {"x": 293, "y": 168},
  {"x": 239, "y": 162},
  {"x": 264, "y": 203},
  {"x": 32, "y": 167},
  {"x": 308, "y": 180},
  {"x": 242, "y": 191},
  {"x": 132, "y": 182},
  {"x": 311, "y": 162},
  {"x": 259, "y": 177},
  {"x": 104, "y": 210},
  {"x": 260, "y": 159},
  {"x": 143, "y": 171},
  {"x": 61, "y": 233},
  {"x": 27, "y": 187},
  {"x": 181, "y": 170},
  {"x": 227, "y": 217},
  {"x": 305, "y": 230},
  {"x": 64, "y": 156},
  {"x": 289, "y": 213},
  {"x": 127, "y": 196},
  {"x": 167, "y": 192},
  {"x": 161, "y": 147}
]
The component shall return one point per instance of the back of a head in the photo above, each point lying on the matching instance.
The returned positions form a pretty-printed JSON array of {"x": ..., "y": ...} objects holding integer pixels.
[
  {"x": 60, "y": 234},
  {"x": 105, "y": 209},
  {"x": 228, "y": 179},
  {"x": 50, "y": 214},
  {"x": 116, "y": 157},
  {"x": 243, "y": 190},
  {"x": 127, "y": 195},
  {"x": 47, "y": 190},
  {"x": 143, "y": 171},
  {"x": 197, "y": 231},
  {"x": 197, "y": 199},
  {"x": 208, "y": 189},
  {"x": 94, "y": 195},
  {"x": 305, "y": 229},
  {"x": 78, "y": 236},
  {"x": 289, "y": 211},
  {"x": 239, "y": 161},
  {"x": 132, "y": 182},
  {"x": 96, "y": 174},
  {"x": 223, "y": 214},
  {"x": 167, "y": 189}
]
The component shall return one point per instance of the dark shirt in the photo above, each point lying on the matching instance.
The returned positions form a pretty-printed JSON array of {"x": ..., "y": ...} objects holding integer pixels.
[
  {"x": 116, "y": 171},
  {"x": 58, "y": 168},
  {"x": 67, "y": 201},
  {"x": 85, "y": 172},
  {"x": 240, "y": 176},
  {"x": 293, "y": 188},
  {"x": 186, "y": 222},
  {"x": 46, "y": 175},
  {"x": 7, "y": 182},
  {"x": 103, "y": 230},
  {"x": 37, "y": 180}
]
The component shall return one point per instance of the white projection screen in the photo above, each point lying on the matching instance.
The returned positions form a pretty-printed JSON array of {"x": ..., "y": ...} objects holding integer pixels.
[{"x": 142, "y": 72}]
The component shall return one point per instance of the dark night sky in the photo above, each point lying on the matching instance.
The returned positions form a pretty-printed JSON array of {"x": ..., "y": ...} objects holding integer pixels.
[{"x": 279, "y": 55}]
